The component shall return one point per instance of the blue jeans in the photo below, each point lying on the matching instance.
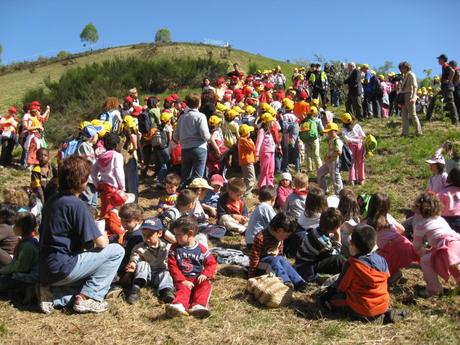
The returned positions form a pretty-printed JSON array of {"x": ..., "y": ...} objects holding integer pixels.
[
  {"x": 144, "y": 275},
  {"x": 193, "y": 163},
  {"x": 131, "y": 177},
  {"x": 162, "y": 162},
  {"x": 283, "y": 269},
  {"x": 290, "y": 153},
  {"x": 91, "y": 276}
]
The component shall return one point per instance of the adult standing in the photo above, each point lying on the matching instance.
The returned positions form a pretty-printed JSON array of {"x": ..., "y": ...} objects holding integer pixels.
[
  {"x": 353, "y": 103},
  {"x": 192, "y": 132},
  {"x": 75, "y": 257},
  {"x": 456, "y": 82},
  {"x": 407, "y": 95},
  {"x": 447, "y": 87}
]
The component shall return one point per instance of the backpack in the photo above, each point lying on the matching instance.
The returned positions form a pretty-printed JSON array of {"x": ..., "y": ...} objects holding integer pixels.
[
  {"x": 160, "y": 139},
  {"x": 106, "y": 117},
  {"x": 346, "y": 159},
  {"x": 168, "y": 216},
  {"x": 70, "y": 147},
  {"x": 308, "y": 130},
  {"x": 290, "y": 130},
  {"x": 144, "y": 123}
]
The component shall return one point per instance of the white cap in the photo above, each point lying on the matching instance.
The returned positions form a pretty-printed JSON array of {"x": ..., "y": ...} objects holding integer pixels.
[
  {"x": 437, "y": 158},
  {"x": 286, "y": 176}
]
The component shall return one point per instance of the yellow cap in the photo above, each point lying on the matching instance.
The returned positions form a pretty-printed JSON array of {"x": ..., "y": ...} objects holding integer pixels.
[
  {"x": 391, "y": 74},
  {"x": 221, "y": 107},
  {"x": 231, "y": 114},
  {"x": 346, "y": 118},
  {"x": 166, "y": 116},
  {"x": 249, "y": 109},
  {"x": 83, "y": 124},
  {"x": 244, "y": 130},
  {"x": 313, "y": 110},
  {"x": 129, "y": 122},
  {"x": 331, "y": 126},
  {"x": 267, "y": 117},
  {"x": 381, "y": 77},
  {"x": 238, "y": 109},
  {"x": 288, "y": 104},
  {"x": 214, "y": 120},
  {"x": 315, "y": 102}
]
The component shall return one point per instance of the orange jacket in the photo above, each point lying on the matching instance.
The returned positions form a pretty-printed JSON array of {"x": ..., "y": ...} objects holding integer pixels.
[
  {"x": 301, "y": 109},
  {"x": 246, "y": 151},
  {"x": 366, "y": 288}
]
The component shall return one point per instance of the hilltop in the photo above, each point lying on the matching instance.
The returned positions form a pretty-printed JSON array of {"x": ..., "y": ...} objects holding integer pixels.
[{"x": 14, "y": 82}]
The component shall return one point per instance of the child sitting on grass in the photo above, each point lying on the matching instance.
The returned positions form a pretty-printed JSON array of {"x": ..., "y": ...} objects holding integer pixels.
[
  {"x": 361, "y": 289},
  {"x": 438, "y": 179},
  {"x": 168, "y": 199},
  {"x": 200, "y": 187},
  {"x": 295, "y": 202},
  {"x": 443, "y": 257},
  {"x": 262, "y": 215},
  {"x": 148, "y": 262},
  {"x": 19, "y": 277},
  {"x": 191, "y": 266},
  {"x": 232, "y": 211},
  {"x": 8, "y": 239},
  {"x": 267, "y": 252},
  {"x": 211, "y": 197},
  {"x": 320, "y": 248},
  {"x": 284, "y": 190}
]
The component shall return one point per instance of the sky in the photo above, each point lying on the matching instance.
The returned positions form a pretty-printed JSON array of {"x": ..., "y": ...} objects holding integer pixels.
[{"x": 364, "y": 31}]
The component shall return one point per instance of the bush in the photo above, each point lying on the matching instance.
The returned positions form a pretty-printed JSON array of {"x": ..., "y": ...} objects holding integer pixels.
[
  {"x": 62, "y": 54},
  {"x": 80, "y": 92},
  {"x": 253, "y": 68}
]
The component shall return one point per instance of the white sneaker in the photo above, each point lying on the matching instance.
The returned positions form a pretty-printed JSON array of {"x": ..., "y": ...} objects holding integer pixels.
[
  {"x": 89, "y": 305},
  {"x": 200, "y": 311},
  {"x": 174, "y": 310},
  {"x": 45, "y": 299}
]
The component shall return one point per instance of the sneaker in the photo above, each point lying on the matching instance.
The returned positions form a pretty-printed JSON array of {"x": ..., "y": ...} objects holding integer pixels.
[
  {"x": 289, "y": 285},
  {"x": 45, "y": 299},
  {"x": 302, "y": 287},
  {"x": 114, "y": 292},
  {"x": 133, "y": 294},
  {"x": 174, "y": 310},
  {"x": 89, "y": 305},
  {"x": 200, "y": 311},
  {"x": 166, "y": 295},
  {"x": 425, "y": 293}
]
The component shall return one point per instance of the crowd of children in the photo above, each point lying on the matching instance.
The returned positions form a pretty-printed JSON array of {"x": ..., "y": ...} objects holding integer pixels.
[{"x": 256, "y": 129}]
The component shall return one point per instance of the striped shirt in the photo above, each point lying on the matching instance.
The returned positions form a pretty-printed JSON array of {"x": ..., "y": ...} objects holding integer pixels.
[
  {"x": 265, "y": 244},
  {"x": 316, "y": 246}
]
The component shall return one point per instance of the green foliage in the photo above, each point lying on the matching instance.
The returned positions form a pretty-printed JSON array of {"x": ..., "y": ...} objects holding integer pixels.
[
  {"x": 163, "y": 36},
  {"x": 252, "y": 68},
  {"x": 388, "y": 66},
  {"x": 80, "y": 92},
  {"x": 89, "y": 34},
  {"x": 62, "y": 54}
]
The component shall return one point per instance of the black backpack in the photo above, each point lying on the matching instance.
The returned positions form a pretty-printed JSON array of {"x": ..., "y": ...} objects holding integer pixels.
[
  {"x": 346, "y": 159},
  {"x": 144, "y": 123}
]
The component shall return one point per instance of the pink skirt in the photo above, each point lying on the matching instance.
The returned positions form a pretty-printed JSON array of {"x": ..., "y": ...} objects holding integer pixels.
[
  {"x": 445, "y": 255},
  {"x": 399, "y": 253}
]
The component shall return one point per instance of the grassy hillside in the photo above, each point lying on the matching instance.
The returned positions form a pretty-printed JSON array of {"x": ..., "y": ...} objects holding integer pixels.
[{"x": 14, "y": 84}]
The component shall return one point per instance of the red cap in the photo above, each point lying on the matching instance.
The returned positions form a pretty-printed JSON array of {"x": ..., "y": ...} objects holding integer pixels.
[
  {"x": 250, "y": 78},
  {"x": 129, "y": 99},
  {"x": 239, "y": 97},
  {"x": 257, "y": 83},
  {"x": 268, "y": 86},
  {"x": 136, "y": 111},
  {"x": 34, "y": 107},
  {"x": 169, "y": 99},
  {"x": 35, "y": 103},
  {"x": 250, "y": 101},
  {"x": 183, "y": 105},
  {"x": 174, "y": 96},
  {"x": 12, "y": 110},
  {"x": 303, "y": 95},
  {"x": 220, "y": 81},
  {"x": 217, "y": 179}
]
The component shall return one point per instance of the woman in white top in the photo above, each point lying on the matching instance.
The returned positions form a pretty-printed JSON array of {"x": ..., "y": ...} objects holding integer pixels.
[{"x": 353, "y": 136}]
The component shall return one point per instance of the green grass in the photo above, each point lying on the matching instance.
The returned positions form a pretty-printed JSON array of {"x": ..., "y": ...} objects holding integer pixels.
[{"x": 13, "y": 85}]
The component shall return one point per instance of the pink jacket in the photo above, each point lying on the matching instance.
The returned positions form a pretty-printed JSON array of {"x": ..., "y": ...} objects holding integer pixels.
[
  {"x": 450, "y": 199},
  {"x": 109, "y": 169},
  {"x": 282, "y": 194},
  {"x": 264, "y": 143}
]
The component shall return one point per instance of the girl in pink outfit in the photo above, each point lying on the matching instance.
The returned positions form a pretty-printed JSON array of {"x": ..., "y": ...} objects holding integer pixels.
[
  {"x": 443, "y": 256},
  {"x": 450, "y": 199},
  {"x": 284, "y": 190},
  {"x": 385, "y": 102},
  {"x": 397, "y": 250},
  {"x": 108, "y": 175},
  {"x": 353, "y": 136},
  {"x": 438, "y": 179},
  {"x": 265, "y": 151}
]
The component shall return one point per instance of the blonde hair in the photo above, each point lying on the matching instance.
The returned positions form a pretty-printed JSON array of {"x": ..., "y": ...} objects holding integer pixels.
[{"x": 300, "y": 180}]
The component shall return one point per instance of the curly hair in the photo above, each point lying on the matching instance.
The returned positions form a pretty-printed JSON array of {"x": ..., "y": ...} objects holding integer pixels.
[
  {"x": 110, "y": 103},
  {"x": 427, "y": 205}
]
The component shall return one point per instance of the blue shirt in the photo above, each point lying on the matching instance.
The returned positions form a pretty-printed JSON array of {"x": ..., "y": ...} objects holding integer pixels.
[
  {"x": 211, "y": 198},
  {"x": 67, "y": 228},
  {"x": 260, "y": 219}
]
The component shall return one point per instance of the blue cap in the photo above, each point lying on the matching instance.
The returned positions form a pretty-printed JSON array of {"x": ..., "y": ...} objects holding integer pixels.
[
  {"x": 90, "y": 131},
  {"x": 152, "y": 224}
]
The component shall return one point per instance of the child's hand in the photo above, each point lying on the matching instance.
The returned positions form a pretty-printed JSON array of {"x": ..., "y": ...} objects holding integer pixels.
[
  {"x": 237, "y": 217},
  {"x": 130, "y": 267},
  {"x": 201, "y": 278},
  {"x": 188, "y": 284},
  {"x": 243, "y": 220}
]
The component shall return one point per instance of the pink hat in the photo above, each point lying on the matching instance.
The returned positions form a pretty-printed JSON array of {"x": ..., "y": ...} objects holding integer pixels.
[
  {"x": 12, "y": 110},
  {"x": 216, "y": 180},
  {"x": 437, "y": 158}
]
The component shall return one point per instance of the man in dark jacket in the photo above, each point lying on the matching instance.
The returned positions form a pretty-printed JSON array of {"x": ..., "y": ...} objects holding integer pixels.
[
  {"x": 353, "y": 104},
  {"x": 447, "y": 87}
]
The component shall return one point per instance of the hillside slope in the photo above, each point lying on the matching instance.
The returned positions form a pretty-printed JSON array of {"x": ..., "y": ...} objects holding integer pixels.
[{"x": 14, "y": 84}]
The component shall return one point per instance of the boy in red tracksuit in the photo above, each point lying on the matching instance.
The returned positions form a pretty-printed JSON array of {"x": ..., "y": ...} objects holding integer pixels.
[
  {"x": 362, "y": 288},
  {"x": 191, "y": 266}
]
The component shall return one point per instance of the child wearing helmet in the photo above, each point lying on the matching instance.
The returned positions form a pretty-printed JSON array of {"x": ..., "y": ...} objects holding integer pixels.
[
  {"x": 310, "y": 128},
  {"x": 353, "y": 136}
]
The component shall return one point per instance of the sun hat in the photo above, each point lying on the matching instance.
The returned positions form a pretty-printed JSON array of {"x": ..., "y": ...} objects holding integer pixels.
[
  {"x": 231, "y": 114},
  {"x": 217, "y": 180},
  {"x": 331, "y": 126},
  {"x": 152, "y": 224},
  {"x": 166, "y": 116},
  {"x": 249, "y": 109},
  {"x": 267, "y": 117},
  {"x": 214, "y": 120},
  {"x": 199, "y": 183},
  {"x": 436, "y": 159},
  {"x": 346, "y": 118},
  {"x": 245, "y": 129},
  {"x": 286, "y": 176}
]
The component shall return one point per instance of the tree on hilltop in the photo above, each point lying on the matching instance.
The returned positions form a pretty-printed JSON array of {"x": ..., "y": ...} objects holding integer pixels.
[
  {"x": 163, "y": 36},
  {"x": 89, "y": 34}
]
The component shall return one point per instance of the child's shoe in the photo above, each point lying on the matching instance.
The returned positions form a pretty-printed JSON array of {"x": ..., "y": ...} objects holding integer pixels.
[
  {"x": 114, "y": 292},
  {"x": 166, "y": 295},
  {"x": 425, "y": 293},
  {"x": 174, "y": 310},
  {"x": 200, "y": 311},
  {"x": 133, "y": 294},
  {"x": 302, "y": 287},
  {"x": 89, "y": 305},
  {"x": 45, "y": 299}
]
